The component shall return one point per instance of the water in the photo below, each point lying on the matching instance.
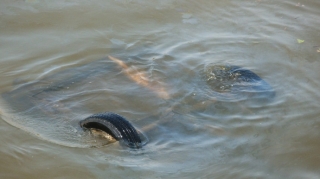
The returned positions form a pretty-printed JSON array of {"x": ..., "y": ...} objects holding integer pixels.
[{"x": 192, "y": 135}]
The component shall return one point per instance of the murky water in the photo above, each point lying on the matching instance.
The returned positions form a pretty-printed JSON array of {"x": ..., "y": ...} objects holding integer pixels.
[{"x": 193, "y": 133}]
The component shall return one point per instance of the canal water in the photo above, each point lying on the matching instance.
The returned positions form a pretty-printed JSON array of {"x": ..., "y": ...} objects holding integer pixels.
[{"x": 62, "y": 48}]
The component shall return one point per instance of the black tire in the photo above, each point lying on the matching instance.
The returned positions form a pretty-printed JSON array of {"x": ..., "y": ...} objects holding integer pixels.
[
  {"x": 115, "y": 125},
  {"x": 229, "y": 82}
]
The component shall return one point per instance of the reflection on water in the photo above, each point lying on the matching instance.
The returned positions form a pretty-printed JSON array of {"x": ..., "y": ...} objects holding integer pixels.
[{"x": 192, "y": 134}]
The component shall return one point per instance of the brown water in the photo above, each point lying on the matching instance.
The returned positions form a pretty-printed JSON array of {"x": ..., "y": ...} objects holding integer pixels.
[{"x": 172, "y": 42}]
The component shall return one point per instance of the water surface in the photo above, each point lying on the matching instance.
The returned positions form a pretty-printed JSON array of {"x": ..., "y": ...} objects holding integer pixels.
[{"x": 193, "y": 134}]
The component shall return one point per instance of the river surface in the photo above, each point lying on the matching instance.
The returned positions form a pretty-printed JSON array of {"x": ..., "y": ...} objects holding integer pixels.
[{"x": 191, "y": 133}]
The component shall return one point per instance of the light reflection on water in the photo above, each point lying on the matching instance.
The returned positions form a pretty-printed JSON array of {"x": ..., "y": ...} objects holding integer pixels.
[{"x": 171, "y": 41}]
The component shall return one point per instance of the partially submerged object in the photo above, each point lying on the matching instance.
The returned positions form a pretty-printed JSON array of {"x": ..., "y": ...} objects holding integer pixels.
[
  {"x": 115, "y": 125},
  {"x": 141, "y": 79},
  {"x": 229, "y": 82}
]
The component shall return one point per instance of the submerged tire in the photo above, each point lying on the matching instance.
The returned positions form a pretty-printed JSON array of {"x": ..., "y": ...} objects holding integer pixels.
[
  {"x": 115, "y": 125},
  {"x": 234, "y": 82}
]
